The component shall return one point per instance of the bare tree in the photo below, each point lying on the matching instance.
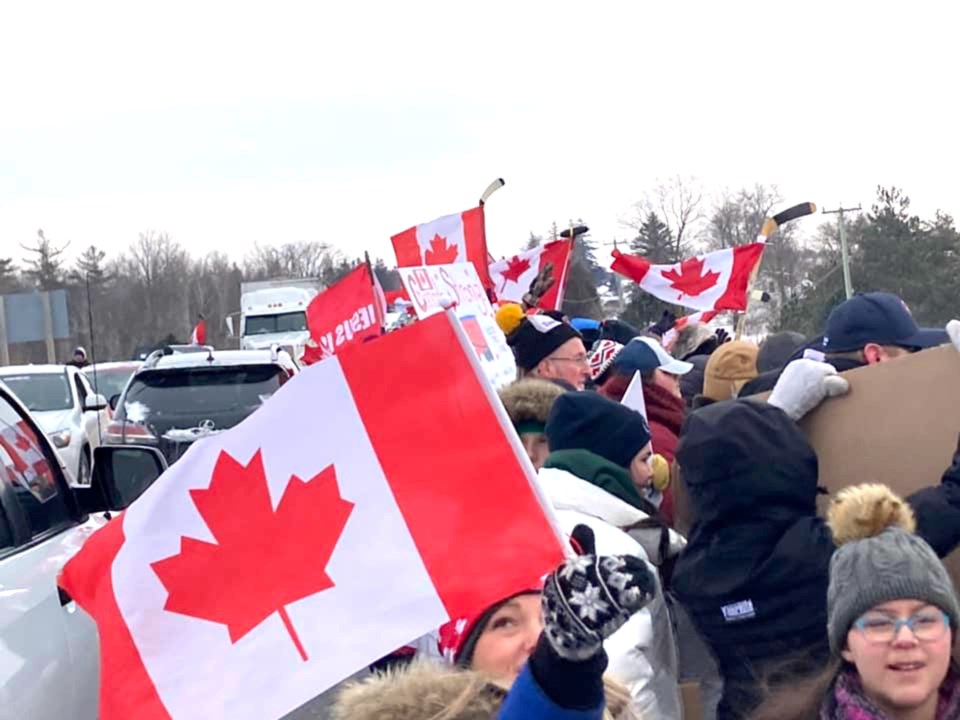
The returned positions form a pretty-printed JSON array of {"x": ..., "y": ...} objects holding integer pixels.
[{"x": 679, "y": 203}]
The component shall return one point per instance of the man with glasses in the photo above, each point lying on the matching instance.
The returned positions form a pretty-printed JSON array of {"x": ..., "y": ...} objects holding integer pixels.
[{"x": 552, "y": 350}]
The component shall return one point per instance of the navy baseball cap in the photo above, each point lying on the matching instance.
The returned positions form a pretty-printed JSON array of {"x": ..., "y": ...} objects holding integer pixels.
[{"x": 876, "y": 317}]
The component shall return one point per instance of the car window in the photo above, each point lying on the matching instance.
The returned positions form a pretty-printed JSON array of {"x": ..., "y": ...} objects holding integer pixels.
[
  {"x": 285, "y": 322},
  {"x": 199, "y": 391},
  {"x": 41, "y": 391},
  {"x": 27, "y": 469},
  {"x": 109, "y": 382}
]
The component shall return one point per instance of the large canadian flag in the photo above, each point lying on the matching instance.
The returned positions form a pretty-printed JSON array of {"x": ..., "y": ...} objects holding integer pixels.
[
  {"x": 374, "y": 497},
  {"x": 350, "y": 311},
  {"x": 446, "y": 240},
  {"x": 715, "y": 281},
  {"x": 513, "y": 278}
]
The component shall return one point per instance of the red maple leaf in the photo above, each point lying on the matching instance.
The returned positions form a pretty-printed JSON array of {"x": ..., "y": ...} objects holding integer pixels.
[
  {"x": 516, "y": 266},
  {"x": 440, "y": 253},
  {"x": 263, "y": 559},
  {"x": 691, "y": 281}
]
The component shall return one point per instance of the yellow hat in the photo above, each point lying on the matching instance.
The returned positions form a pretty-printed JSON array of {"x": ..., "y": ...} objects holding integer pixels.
[
  {"x": 729, "y": 368},
  {"x": 509, "y": 317}
]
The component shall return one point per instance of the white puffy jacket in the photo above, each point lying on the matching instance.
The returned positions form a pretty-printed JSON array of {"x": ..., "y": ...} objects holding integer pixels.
[{"x": 643, "y": 653}]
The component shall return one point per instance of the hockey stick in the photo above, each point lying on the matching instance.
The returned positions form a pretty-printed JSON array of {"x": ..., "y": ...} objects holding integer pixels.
[{"x": 770, "y": 226}]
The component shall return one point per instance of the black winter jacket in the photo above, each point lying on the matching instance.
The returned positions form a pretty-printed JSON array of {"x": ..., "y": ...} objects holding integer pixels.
[{"x": 754, "y": 573}]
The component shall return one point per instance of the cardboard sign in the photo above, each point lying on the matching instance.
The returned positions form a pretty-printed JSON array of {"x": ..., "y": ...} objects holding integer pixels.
[
  {"x": 898, "y": 426},
  {"x": 434, "y": 287}
]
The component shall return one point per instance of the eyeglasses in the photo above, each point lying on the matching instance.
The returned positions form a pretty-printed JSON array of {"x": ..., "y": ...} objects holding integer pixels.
[
  {"x": 926, "y": 626},
  {"x": 579, "y": 359}
]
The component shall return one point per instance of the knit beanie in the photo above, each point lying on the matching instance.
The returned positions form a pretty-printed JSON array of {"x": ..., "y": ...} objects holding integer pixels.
[
  {"x": 776, "y": 350},
  {"x": 458, "y": 638},
  {"x": 879, "y": 560},
  {"x": 537, "y": 337},
  {"x": 729, "y": 368},
  {"x": 602, "y": 354},
  {"x": 528, "y": 403},
  {"x": 588, "y": 421}
]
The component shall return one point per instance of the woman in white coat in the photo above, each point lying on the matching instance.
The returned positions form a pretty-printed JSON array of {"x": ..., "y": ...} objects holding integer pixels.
[{"x": 598, "y": 464}]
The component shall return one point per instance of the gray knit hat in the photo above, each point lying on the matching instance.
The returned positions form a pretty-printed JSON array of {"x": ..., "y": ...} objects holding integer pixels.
[{"x": 879, "y": 560}]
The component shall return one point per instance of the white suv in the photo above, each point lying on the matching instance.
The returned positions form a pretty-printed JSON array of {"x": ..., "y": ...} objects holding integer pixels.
[
  {"x": 49, "y": 650},
  {"x": 71, "y": 414}
]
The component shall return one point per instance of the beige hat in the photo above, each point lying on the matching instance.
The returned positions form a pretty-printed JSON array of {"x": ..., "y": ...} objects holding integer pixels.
[{"x": 729, "y": 368}]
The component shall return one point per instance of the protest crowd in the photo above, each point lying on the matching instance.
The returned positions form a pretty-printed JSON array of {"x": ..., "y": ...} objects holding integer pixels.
[{"x": 687, "y": 570}]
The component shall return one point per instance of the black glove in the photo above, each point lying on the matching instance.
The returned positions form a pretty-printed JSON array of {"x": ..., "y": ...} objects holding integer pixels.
[
  {"x": 722, "y": 336},
  {"x": 589, "y": 598},
  {"x": 664, "y": 324}
]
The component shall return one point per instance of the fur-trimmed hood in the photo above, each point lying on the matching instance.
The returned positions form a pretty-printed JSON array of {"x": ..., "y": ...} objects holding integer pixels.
[
  {"x": 426, "y": 690},
  {"x": 422, "y": 691},
  {"x": 529, "y": 400}
]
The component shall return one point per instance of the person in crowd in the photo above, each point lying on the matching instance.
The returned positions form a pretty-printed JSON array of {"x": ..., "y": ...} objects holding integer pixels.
[
  {"x": 868, "y": 328},
  {"x": 754, "y": 574},
  {"x": 601, "y": 356},
  {"x": 537, "y": 654},
  {"x": 777, "y": 349},
  {"x": 588, "y": 328},
  {"x": 618, "y": 331},
  {"x": 660, "y": 374},
  {"x": 528, "y": 403},
  {"x": 595, "y": 475},
  {"x": 550, "y": 349},
  {"x": 728, "y": 369},
  {"x": 79, "y": 358},
  {"x": 892, "y": 617}
]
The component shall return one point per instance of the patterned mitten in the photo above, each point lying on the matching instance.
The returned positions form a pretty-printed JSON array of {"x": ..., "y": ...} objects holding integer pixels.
[{"x": 589, "y": 598}]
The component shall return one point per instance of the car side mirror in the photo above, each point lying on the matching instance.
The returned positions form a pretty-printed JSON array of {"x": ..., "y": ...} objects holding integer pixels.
[
  {"x": 120, "y": 475},
  {"x": 114, "y": 401},
  {"x": 95, "y": 402}
]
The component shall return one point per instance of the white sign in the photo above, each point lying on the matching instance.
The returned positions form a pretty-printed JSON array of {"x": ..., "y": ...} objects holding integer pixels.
[{"x": 434, "y": 288}]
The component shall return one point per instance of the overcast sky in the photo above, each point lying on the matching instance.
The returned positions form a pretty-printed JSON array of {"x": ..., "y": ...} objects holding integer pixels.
[{"x": 226, "y": 124}]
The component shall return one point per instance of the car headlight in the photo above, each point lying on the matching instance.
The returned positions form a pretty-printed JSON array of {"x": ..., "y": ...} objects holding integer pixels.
[{"x": 60, "y": 439}]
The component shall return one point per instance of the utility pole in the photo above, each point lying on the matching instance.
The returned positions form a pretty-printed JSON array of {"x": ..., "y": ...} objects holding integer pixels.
[{"x": 845, "y": 255}]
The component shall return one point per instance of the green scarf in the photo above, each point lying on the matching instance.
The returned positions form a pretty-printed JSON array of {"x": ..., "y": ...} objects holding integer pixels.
[{"x": 598, "y": 471}]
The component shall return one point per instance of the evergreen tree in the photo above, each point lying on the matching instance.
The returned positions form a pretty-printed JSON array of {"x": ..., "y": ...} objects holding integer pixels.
[
  {"x": 90, "y": 265},
  {"x": 654, "y": 242},
  {"x": 45, "y": 269}
]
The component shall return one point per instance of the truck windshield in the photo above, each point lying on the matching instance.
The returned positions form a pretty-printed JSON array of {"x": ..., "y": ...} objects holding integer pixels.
[{"x": 266, "y": 324}]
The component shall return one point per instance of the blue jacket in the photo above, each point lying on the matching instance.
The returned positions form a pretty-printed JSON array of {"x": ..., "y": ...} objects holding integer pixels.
[{"x": 527, "y": 701}]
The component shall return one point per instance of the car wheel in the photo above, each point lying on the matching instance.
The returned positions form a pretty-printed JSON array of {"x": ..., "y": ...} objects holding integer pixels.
[{"x": 83, "y": 471}]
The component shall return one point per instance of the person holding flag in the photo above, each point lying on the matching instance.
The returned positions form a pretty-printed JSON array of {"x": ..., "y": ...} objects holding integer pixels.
[{"x": 537, "y": 653}]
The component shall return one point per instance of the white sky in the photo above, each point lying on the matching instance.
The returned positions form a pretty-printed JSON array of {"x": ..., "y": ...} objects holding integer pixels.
[{"x": 225, "y": 124}]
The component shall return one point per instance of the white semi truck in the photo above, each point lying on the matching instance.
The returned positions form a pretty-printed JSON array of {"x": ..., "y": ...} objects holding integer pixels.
[{"x": 274, "y": 312}]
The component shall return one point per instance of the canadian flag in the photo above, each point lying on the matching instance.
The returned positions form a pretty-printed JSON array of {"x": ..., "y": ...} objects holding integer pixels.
[
  {"x": 670, "y": 337},
  {"x": 199, "y": 335},
  {"x": 714, "y": 281},
  {"x": 350, "y": 311},
  {"x": 364, "y": 505},
  {"x": 446, "y": 240},
  {"x": 513, "y": 278},
  {"x": 29, "y": 468}
]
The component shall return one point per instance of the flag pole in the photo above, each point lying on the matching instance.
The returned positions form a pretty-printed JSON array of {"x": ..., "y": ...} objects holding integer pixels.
[{"x": 377, "y": 292}]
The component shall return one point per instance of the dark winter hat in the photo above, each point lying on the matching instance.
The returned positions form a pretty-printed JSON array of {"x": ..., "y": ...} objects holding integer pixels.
[
  {"x": 618, "y": 331},
  {"x": 879, "y": 560},
  {"x": 537, "y": 337},
  {"x": 528, "y": 403},
  {"x": 588, "y": 421},
  {"x": 777, "y": 349},
  {"x": 876, "y": 317}
]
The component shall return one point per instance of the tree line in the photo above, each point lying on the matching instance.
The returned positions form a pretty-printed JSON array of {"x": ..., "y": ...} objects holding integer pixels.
[{"x": 155, "y": 291}]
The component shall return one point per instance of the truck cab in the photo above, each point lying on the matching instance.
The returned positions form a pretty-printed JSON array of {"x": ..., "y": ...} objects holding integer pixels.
[{"x": 274, "y": 312}]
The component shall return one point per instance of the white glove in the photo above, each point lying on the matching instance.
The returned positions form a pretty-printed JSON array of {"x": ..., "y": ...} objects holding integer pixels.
[
  {"x": 953, "y": 330},
  {"x": 804, "y": 384}
]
